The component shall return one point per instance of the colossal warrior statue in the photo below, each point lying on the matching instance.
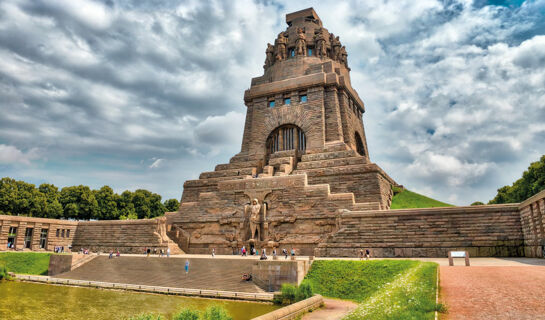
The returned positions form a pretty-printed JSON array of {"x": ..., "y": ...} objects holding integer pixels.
[
  {"x": 301, "y": 42},
  {"x": 269, "y": 56},
  {"x": 335, "y": 48},
  {"x": 254, "y": 211},
  {"x": 303, "y": 160},
  {"x": 319, "y": 39},
  {"x": 281, "y": 41}
]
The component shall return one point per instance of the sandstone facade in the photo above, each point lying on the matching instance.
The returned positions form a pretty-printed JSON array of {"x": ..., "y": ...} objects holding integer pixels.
[{"x": 303, "y": 156}]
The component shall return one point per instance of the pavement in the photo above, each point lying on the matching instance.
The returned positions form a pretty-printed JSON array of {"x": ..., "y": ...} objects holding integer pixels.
[{"x": 512, "y": 291}]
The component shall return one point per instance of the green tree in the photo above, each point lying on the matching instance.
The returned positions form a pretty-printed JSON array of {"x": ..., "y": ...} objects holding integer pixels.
[
  {"x": 171, "y": 205},
  {"x": 125, "y": 206},
  {"x": 147, "y": 204},
  {"x": 21, "y": 198},
  {"x": 53, "y": 208},
  {"x": 107, "y": 202},
  {"x": 477, "y": 203},
  {"x": 532, "y": 182},
  {"x": 79, "y": 202}
]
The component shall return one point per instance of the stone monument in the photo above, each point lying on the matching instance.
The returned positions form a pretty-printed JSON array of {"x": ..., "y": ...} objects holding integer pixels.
[{"x": 303, "y": 158}]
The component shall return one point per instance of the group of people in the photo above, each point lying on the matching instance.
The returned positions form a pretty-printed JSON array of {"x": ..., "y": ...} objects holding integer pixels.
[
  {"x": 365, "y": 254},
  {"x": 254, "y": 251},
  {"x": 117, "y": 254},
  {"x": 58, "y": 249},
  {"x": 81, "y": 250},
  {"x": 161, "y": 253}
]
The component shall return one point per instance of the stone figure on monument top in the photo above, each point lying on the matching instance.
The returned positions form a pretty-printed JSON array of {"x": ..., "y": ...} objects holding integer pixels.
[
  {"x": 319, "y": 39},
  {"x": 281, "y": 43},
  {"x": 335, "y": 47},
  {"x": 269, "y": 60},
  {"x": 344, "y": 56},
  {"x": 301, "y": 42}
]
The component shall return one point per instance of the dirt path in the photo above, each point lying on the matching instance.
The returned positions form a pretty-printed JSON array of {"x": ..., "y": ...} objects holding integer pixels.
[
  {"x": 493, "y": 292},
  {"x": 333, "y": 310}
]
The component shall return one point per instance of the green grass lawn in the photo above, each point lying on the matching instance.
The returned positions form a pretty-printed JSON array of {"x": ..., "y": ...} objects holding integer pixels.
[
  {"x": 408, "y": 199},
  {"x": 26, "y": 262},
  {"x": 384, "y": 289}
]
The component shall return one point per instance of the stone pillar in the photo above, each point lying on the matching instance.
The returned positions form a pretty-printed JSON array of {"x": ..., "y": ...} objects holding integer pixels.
[
  {"x": 333, "y": 124},
  {"x": 20, "y": 238},
  {"x": 4, "y": 230}
]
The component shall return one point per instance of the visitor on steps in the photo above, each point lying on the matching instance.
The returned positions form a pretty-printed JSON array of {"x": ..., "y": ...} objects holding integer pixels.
[
  {"x": 263, "y": 255},
  {"x": 213, "y": 252},
  {"x": 285, "y": 252},
  {"x": 274, "y": 253},
  {"x": 293, "y": 252},
  {"x": 186, "y": 266},
  {"x": 168, "y": 253},
  {"x": 118, "y": 254},
  {"x": 367, "y": 254},
  {"x": 361, "y": 254},
  {"x": 111, "y": 254}
]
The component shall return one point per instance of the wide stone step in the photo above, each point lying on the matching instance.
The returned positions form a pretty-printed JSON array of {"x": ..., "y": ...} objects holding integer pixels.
[
  {"x": 204, "y": 273},
  {"x": 237, "y": 165},
  {"x": 228, "y": 173},
  {"x": 331, "y": 163},
  {"x": 328, "y": 155}
]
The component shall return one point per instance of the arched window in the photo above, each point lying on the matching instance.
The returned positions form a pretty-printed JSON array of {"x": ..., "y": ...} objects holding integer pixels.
[
  {"x": 359, "y": 145},
  {"x": 286, "y": 137}
]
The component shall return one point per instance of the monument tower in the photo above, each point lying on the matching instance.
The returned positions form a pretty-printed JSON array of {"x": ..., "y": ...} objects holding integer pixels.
[{"x": 303, "y": 157}]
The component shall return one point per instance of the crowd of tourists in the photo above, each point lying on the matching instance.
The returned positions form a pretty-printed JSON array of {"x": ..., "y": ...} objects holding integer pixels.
[{"x": 161, "y": 252}]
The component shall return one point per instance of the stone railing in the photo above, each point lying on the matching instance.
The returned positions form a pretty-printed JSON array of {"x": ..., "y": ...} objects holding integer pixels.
[
  {"x": 294, "y": 310},
  {"x": 218, "y": 294},
  {"x": 532, "y": 218}
]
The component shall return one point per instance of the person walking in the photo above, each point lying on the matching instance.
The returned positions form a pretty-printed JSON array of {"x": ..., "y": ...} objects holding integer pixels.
[
  {"x": 285, "y": 252},
  {"x": 111, "y": 254},
  {"x": 168, "y": 253},
  {"x": 213, "y": 252},
  {"x": 186, "y": 266},
  {"x": 361, "y": 254},
  {"x": 292, "y": 253},
  {"x": 274, "y": 253},
  {"x": 367, "y": 254}
]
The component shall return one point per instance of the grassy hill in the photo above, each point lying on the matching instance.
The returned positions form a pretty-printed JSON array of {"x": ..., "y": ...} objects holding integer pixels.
[{"x": 406, "y": 199}]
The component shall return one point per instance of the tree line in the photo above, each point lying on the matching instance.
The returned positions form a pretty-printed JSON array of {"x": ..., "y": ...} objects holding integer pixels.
[
  {"x": 79, "y": 202},
  {"x": 532, "y": 182}
]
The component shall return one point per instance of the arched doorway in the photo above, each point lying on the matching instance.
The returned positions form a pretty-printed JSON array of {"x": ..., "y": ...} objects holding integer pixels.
[
  {"x": 286, "y": 137},
  {"x": 359, "y": 145}
]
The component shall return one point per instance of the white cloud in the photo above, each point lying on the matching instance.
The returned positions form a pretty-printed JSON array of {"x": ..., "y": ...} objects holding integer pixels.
[
  {"x": 12, "y": 155},
  {"x": 156, "y": 164}
]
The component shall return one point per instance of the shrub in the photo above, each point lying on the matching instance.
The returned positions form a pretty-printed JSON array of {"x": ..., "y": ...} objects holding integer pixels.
[
  {"x": 187, "y": 314},
  {"x": 288, "y": 293},
  {"x": 304, "y": 291},
  {"x": 216, "y": 313},
  {"x": 4, "y": 272}
]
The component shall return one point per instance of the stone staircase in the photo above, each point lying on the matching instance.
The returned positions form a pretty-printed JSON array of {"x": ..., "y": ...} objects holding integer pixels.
[
  {"x": 204, "y": 273},
  {"x": 428, "y": 232}
]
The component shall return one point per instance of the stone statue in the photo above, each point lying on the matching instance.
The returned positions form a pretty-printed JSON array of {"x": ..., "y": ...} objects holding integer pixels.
[
  {"x": 319, "y": 39},
  {"x": 344, "y": 56},
  {"x": 281, "y": 42},
  {"x": 269, "y": 60},
  {"x": 301, "y": 43},
  {"x": 335, "y": 48},
  {"x": 255, "y": 219}
]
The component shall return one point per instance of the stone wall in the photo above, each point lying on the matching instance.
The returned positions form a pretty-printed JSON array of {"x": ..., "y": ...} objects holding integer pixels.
[
  {"x": 127, "y": 236},
  {"x": 532, "y": 217},
  {"x": 59, "y": 232},
  {"x": 270, "y": 274},
  {"x": 492, "y": 230}
]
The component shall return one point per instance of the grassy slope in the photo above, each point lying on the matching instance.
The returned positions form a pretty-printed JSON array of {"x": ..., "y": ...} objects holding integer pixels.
[
  {"x": 385, "y": 289},
  {"x": 354, "y": 280},
  {"x": 26, "y": 262},
  {"x": 408, "y": 199}
]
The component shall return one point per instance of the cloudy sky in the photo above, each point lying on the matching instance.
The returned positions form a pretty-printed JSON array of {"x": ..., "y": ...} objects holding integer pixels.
[{"x": 147, "y": 94}]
